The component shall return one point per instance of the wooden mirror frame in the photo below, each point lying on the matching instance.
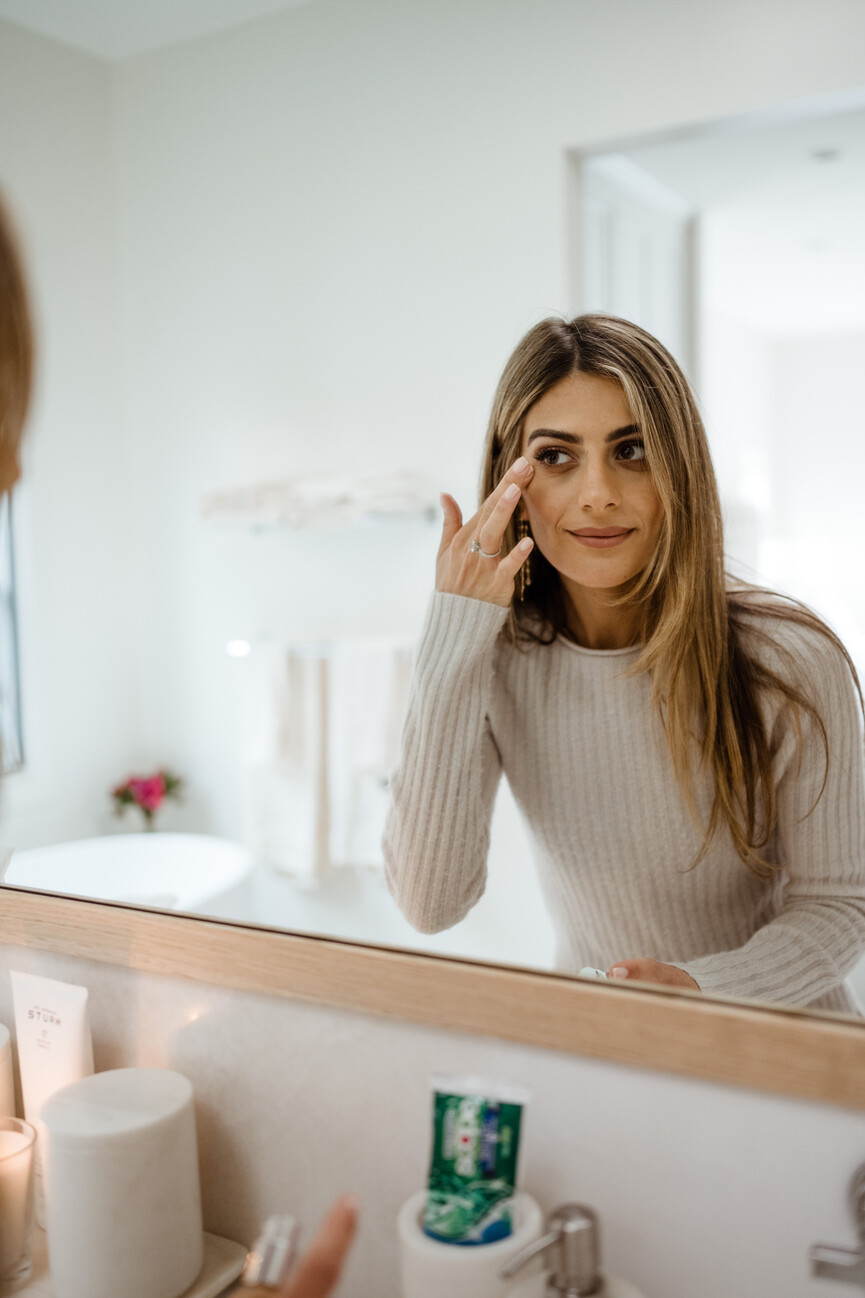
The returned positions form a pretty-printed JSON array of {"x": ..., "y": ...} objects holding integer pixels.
[{"x": 807, "y": 1055}]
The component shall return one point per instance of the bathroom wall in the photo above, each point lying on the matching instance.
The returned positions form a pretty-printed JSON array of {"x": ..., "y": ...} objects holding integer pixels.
[
  {"x": 795, "y": 451},
  {"x": 780, "y": 384},
  {"x": 701, "y": 1189},
  {"x": 818, "y": 513},
  {"x": 76, "y": 584}
]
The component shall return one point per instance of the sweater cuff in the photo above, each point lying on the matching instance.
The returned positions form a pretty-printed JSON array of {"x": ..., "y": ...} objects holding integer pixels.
[
  {"x": 461, "y": 627},
  {"x": 714, "y": 977}
]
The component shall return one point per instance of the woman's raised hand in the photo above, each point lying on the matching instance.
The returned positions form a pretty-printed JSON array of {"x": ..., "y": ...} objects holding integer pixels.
[{"x": 489, "y": 575}]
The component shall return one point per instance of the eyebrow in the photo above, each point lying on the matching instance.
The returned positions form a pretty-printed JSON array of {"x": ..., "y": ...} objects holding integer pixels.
[{"x": 628, "y": 431}]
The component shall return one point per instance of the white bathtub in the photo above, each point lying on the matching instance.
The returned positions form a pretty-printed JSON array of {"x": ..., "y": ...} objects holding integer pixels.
[
  {"x": 203, "y": 875},
  {"x": 187, "y": 872}
]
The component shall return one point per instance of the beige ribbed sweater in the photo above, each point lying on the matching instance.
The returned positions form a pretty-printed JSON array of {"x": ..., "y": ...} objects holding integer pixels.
[{"x": 589, "y": 768}]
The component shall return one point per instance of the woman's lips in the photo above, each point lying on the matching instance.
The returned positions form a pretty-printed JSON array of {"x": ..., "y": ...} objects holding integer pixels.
[{"x": 602, "y": 538}]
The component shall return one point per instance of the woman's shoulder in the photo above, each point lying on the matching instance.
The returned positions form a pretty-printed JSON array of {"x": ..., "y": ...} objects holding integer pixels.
[{"x": 788, "y": 638}]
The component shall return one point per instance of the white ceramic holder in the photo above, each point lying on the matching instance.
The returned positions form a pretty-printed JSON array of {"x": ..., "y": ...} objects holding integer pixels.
[{"x": 430, "y": 1268}]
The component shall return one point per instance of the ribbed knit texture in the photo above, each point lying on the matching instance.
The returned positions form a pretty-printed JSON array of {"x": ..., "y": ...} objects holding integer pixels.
[{"x": 590, "y": 770}]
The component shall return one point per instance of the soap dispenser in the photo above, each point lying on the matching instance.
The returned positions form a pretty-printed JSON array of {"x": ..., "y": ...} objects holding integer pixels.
[{"x": 572, "y": 1253}]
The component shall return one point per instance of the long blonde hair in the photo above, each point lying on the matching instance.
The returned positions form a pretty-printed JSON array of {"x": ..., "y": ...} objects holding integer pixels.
[
  {"x": 706, "y": 684},
  {"x": 16, "y": 341}
]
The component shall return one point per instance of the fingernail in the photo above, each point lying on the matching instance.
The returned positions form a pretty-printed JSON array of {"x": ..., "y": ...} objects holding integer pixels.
[
  {"x": 522, "y": 463},
  {"x": 526, "y": 543},
  {"x": 619, "y": 971},
  {"x": 512, "y": 492}
]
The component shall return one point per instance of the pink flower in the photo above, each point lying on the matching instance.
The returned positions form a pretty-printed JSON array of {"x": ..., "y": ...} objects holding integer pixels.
[{"x": 148, "y": 793}]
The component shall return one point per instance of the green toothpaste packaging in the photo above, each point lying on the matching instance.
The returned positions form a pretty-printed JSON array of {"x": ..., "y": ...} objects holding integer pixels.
[{"x": 472, "y": 1176}]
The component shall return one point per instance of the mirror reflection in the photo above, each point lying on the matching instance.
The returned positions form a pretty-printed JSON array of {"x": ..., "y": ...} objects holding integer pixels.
[{"x": 258, "y": 373}]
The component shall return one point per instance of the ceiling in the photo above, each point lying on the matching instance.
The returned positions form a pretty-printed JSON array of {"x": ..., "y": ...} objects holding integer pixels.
[{"x": 119, "y": 29}]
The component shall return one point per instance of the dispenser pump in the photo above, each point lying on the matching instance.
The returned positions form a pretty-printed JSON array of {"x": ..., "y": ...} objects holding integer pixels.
[{"x": 570, "y": 1247}]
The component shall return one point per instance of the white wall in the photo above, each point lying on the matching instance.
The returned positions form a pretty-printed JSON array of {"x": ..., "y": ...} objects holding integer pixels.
[
  {"x": 701, "y": 1189},
  {"x": 784, "y": 416},
  {"x": 736, "y": 400},
  {"x": 76, "y": 586},
  {"x": 817, "y": 427}
]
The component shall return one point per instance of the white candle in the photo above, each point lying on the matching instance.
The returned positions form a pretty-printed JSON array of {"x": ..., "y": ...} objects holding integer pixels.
[{"x": 16, "y": 1157}]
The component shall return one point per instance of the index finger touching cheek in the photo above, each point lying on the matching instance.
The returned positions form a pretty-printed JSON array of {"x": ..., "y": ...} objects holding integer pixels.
[{"x": 520, "y": 472}]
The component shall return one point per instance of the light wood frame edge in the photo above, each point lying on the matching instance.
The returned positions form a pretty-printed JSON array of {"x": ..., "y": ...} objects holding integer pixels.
[{"x": 785, "y": 1052}]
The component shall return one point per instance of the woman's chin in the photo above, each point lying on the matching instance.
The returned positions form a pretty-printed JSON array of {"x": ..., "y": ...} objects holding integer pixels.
[{"x": 596, "y": 577}]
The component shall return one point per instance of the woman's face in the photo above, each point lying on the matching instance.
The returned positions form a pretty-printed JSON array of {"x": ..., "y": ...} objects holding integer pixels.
[{"x": 593, "y": 509}]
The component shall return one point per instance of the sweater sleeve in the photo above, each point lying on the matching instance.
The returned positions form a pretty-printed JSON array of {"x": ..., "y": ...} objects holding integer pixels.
[
  {"x": 819, "y": 933},
  {"x": 437, "y": 834}
]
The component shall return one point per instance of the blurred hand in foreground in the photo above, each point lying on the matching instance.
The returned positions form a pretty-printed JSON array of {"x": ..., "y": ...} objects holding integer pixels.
[{"x": 317, "y": 1273}]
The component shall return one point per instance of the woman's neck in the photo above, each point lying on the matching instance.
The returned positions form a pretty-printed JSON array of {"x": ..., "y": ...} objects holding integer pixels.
[{"x": 594, "y": 624}]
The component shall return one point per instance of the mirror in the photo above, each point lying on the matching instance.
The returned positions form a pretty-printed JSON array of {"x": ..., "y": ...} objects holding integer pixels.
[{"x": 273, "y": 307}]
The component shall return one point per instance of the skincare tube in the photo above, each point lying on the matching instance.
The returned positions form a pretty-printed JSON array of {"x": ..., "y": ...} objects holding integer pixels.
[
  {"x": 472, "y": 1177},
  {"x": 54, "y": 1048}
]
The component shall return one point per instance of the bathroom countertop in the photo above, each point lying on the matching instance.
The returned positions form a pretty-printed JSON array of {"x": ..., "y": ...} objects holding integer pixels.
[{"x": 223, "y": 1262}]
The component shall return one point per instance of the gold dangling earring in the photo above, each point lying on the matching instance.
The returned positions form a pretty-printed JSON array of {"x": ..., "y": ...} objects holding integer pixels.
[{"x": 525, "y": 572}]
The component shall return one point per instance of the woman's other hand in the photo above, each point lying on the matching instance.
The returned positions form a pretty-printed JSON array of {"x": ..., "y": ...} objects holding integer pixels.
[
  {"x": 652, "y": 971},
  {"x": 461, "y": 571},
  {"x": 318, "y": 1271}
]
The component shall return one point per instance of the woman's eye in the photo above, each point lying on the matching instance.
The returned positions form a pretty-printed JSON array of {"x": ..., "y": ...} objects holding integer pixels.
[
  {"x": 632, "y": 452},
  {"x": 543, "y": 457}
]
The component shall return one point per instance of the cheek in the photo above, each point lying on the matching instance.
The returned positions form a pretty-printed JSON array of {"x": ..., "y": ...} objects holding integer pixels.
[
  {"x": 546, "y": 500},
  {"x": 649, "y": 506}
]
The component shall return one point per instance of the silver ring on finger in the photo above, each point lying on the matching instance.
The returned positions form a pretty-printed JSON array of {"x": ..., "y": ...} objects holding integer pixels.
[{"x": 476, "y": 549}]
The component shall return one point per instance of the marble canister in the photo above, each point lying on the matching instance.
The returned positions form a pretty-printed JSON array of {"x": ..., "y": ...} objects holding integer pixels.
[{"x": 122, "y": 1191}]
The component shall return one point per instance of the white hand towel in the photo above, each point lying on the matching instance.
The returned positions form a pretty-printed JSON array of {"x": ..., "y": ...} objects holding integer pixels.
[{"x": 321, "y": 739}]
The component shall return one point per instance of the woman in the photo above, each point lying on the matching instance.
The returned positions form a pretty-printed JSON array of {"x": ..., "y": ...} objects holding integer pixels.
[
  {"x": 685, "y": 749},
  {"x": 319, "y": 1269}
]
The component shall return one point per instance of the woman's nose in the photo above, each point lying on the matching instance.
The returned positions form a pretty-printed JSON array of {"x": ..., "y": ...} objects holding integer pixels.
[{"x": 597, "y": 486}]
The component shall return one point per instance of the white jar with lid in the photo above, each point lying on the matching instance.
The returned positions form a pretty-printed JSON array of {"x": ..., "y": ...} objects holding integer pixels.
[{"x": 122, "y": 1190}]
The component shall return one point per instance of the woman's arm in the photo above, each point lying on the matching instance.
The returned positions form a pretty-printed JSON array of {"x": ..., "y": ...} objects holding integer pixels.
[
  {"x": 437, "y": 834},
  {"x": 819, "y": 934}
]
